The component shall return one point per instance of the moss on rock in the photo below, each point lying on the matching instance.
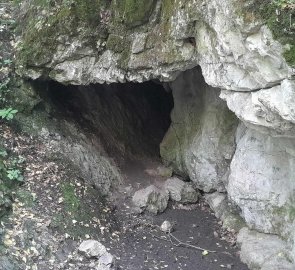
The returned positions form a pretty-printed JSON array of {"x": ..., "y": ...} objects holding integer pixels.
[
  {"x": 168, "y": 7},
  {"x": 132, "y": 12},
  {"x": 278, "y": 17},
  {"x": 40, "y": 35},
  {"x": 116, "y": 43}
]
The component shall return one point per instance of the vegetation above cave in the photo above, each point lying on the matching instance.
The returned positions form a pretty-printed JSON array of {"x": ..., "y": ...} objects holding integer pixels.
[{"x": 279, "y": 15}]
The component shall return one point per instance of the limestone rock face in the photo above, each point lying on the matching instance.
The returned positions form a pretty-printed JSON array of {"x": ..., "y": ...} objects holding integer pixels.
[
  {"x": 202, "y": 49},
  {"x": 200, "y": 141},
  {"x": 261, "y": 251},
  {"x": 115, "y": 41},
  {"x": 229, "y": 216},
  {"x": 270, "y": 111},
  {"x": 94, "y": 166},
  {"x": 261, "y": 181}
]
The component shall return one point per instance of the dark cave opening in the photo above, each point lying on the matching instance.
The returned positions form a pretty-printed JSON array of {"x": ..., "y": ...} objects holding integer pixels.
[{"x": 129, "y": 119}]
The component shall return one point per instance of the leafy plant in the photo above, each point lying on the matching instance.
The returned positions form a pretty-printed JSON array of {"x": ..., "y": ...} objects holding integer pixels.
[
  {"x": 8, "y": 113},
  {"x": 3, "y": 153},
  {"x": 284, "y": 3},
  {"x": 7, "y": 62},
  {"x": 15, "y": 174}
]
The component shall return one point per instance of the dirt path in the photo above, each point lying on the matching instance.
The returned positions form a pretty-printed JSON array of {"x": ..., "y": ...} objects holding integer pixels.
[{"x": 142, "y": 244}]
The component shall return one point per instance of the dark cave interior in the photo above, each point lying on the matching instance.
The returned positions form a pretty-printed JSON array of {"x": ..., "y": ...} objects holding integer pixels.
[{"x": 128, "y": 119}]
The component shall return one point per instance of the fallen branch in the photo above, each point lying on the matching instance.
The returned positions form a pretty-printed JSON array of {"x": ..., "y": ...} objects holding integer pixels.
[{"x": 180, "y": 243}]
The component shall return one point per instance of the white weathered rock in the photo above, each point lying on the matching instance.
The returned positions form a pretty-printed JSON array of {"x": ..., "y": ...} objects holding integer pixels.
[
  {"x": 217, "y": 202},
  {"x": 181, "y": 191},
  {"x": 224, "y": 211},
  {"x": 201, "y": 139},
  {"x": 92, "y": 248},
  {"x": 271, "y": 111},
  {"x": 138, "y": 44},
  {"x": 106, "y": 259},
  {"x": 166, "y": 226},
  {"x": 161, "y": 171},
  {"x": 260, "y": 251},
  {"x": 278, "y": 263},
  {"x": 102, "y": 267},
  {"x": 261, "y": 181},
  {"x": 234, "y": 53},
  {"x": 151, "y": 199}
]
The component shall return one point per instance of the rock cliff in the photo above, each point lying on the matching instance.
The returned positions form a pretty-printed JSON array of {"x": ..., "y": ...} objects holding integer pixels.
[{"x": 231, "y": 75}]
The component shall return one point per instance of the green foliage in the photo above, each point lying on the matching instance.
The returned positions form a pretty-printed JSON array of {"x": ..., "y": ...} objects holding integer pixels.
[
  {"x": 15, "y": 174},
  {"x": 7, "y": 62},
  {"x": 279, "y": 15},
  {"x": 10, "y": 177},
  {"x": 3, "y": 153},
  {"x": 10, "y": 166},
  {"x": 290, "y": 55},
  {"x": 132, "y": 12},
  {"x": 4, "y": 90},
  {"x": 8, "y": 113},
  {"x": 283, "y": 3},
  {"x": 72, "y": 202}
]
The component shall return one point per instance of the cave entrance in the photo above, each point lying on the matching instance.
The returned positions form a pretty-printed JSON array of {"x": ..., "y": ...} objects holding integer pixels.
[{"x": 128, "y": 121}]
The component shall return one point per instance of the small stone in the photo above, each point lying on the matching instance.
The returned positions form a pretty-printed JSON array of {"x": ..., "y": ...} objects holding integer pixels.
[
  {"x": 92, "y": 248},
  {"x": 166, "y": 226},
  {"x": 106, "y": 259}
]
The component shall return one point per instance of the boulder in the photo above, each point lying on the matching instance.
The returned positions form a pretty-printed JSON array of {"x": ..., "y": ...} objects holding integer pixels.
[
  {"x": 92, "y": 249},
  {"x": 260, "y": 251},
  {"x": 270, "y": 111},
  {"x": 181, "y": 191},
  {"x": 261, "y": 181},
  {"x": 152, "y": 199}
]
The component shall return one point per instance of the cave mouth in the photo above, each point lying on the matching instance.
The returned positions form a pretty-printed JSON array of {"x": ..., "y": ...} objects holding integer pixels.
[{"x": 129, "y": 120}]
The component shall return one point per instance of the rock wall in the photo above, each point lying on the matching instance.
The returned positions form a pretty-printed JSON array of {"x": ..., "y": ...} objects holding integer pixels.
[
  {"x": 73, "y": 42},
  {"x": 201, "y": 139},
  {"x": 261, "y": 181},
  {"x": 106, "y": 41}
]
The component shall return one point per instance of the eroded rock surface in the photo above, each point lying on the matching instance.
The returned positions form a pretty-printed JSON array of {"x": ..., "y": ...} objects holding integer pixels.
[
  {"x": 114, "y": 41},
  {"x": 152, "y": 199},
  {"x": 261, "y": 181},
  {"x": 71, "y": 45},
  {"x": 180, "y": 191},
  {"x": 200, "y": 141},
  {"x": 261, "y": 251}
]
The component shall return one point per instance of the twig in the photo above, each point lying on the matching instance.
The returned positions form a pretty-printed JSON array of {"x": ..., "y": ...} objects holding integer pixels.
[{"x": 180, "y": 243}]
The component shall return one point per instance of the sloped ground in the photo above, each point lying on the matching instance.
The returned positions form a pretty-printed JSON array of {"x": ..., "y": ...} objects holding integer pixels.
[{"x": 54, "y": 210}]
